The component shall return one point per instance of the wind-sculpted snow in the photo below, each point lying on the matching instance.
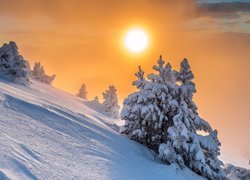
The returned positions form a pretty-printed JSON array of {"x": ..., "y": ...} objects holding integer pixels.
[{"x": 48, "y": 134}]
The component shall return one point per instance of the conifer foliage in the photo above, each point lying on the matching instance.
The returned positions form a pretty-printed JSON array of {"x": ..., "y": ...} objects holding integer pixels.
[
  {"x": 39, "y": 74},
  {"x": 110, "y": 102},
  {"x": 163, "y": 116},
  {"x": 12, "y": 64}
]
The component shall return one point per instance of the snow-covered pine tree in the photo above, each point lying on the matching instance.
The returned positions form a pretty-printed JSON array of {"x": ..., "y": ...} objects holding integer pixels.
[
  {"x": 204, "y": 149},
  {"x": 12, "y": 63},
  {"x": 110, "y": 102},
  {"x": 82, "y": 92},
  {"x": 163, "y": 116},
  {"x": 38, "y": 73},
  {"x": 146, "y": 111},
  {"x": 96, "y": 99}
]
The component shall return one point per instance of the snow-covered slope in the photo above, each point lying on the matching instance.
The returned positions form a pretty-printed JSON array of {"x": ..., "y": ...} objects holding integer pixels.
[{"x": 48, "y": 134}]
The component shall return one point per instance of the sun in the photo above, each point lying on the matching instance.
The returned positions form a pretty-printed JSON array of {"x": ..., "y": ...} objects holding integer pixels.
[{"x": 136, "y": 40}]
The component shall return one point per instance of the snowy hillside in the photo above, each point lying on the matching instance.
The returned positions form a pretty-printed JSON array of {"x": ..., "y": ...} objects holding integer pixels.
[{"x": 48, "y": 134}]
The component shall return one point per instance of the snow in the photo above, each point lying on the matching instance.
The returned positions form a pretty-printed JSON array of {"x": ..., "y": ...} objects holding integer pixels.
[
  {"x": 167, "y": 153},
  {"x": 49, "y": 134},
  {"x": 110, "y": 102},
  {"x": 12, "y": 64},
  {"x": 208, "y": 141},
  {"x": 237, "y": 173},
  {"x": 39, "y": 74}
]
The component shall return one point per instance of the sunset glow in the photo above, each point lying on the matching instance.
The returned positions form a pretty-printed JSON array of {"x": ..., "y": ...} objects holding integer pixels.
[{"x": 102, "y": 43}]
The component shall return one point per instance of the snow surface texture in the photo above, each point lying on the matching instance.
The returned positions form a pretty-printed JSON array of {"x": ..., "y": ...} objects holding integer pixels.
[{"x": 48, "y": 134}]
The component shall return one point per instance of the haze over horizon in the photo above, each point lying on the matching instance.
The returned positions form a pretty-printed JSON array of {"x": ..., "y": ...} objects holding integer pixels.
[{"x": 83, "y": 42}]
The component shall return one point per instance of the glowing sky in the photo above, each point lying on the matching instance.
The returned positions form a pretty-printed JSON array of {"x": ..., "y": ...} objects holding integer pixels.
[{"x": 83, "y": 41}]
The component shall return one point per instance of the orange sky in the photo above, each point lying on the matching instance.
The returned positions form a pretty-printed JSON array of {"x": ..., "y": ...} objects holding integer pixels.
[{"x": 82, "y": 41}]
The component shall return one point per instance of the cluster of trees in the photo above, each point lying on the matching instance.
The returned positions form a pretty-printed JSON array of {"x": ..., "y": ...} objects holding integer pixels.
[
  {"x": 38, "y": 73},
  {"x": 15, "y": 67},
  {"x": 163, "y": 116},
  {"x": 12, "y": 64},
  {"x": 110, "y": 100}
]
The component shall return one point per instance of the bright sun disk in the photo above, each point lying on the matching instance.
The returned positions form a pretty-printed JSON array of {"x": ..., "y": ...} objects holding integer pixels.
[{"x": 136, "y": 40}]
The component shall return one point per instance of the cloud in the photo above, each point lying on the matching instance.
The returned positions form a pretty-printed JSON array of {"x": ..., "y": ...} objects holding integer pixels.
[
  {"x": 220, "y": 16},
  {"x": 81, "y": 16},
  {"x": 223, "y": 9}
]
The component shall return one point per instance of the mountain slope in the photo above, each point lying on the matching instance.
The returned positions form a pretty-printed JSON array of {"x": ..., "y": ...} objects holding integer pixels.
[{"x": 48, "y": 134}]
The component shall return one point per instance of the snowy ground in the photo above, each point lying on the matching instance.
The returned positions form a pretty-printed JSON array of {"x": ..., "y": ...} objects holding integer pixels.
[{"x": 48, "y": 134}]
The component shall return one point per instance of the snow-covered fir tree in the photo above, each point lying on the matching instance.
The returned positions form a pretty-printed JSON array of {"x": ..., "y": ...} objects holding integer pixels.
[
  {"x": 38, "y": 73},
  {"x": 163, "y": 116},
  {"x": 12, "y": 64},
  {"x": 110, "y": 102},
  {"x": 82, "y": 92}
]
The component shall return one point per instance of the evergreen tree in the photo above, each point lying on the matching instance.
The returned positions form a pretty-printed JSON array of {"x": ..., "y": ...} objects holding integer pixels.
[
  {"x": 163, "y": 116},
  {"x": 140, "y": 82},
  {"x": 82, "y": 92},
  {"x": 96, "y": 99},
  {"x": 38, "y": 73},
  {"x": 12, "y": 63},
  {"x": 111, "y": 102}
]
